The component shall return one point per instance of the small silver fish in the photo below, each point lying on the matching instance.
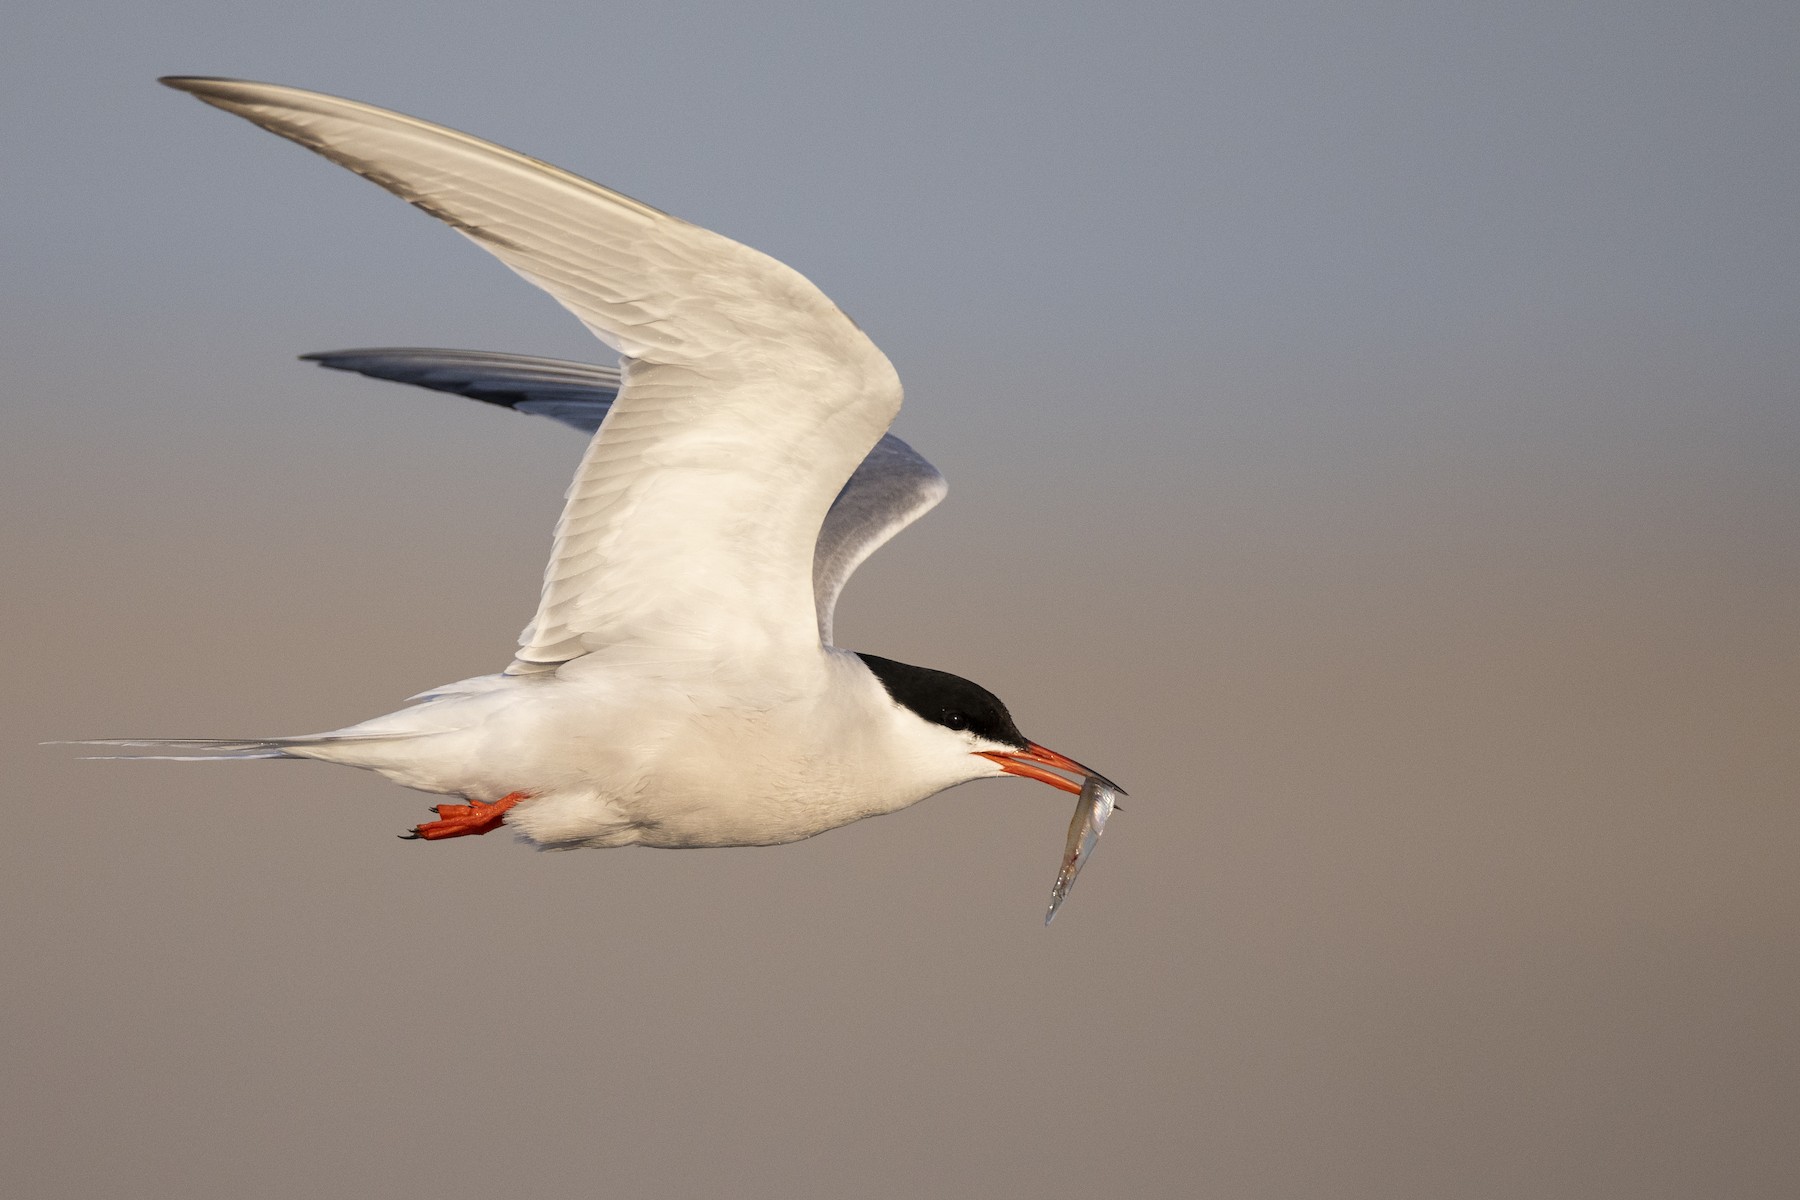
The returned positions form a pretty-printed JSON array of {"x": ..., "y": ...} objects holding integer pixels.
[{"x": 1094, "y": 805}]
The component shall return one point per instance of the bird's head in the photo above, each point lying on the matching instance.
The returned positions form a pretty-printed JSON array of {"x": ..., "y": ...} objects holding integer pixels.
[{"x": 967, "y": 726}]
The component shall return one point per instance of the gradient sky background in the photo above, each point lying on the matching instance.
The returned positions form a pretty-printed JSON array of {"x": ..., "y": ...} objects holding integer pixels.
[{"x": 1372, "y": 430}]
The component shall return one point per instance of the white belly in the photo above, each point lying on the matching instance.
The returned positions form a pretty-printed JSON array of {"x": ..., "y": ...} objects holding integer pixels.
[{"x": 618, "y": 759}]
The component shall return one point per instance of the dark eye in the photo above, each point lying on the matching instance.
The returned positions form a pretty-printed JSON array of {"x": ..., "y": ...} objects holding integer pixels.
[{"x": 955, "y": 720}]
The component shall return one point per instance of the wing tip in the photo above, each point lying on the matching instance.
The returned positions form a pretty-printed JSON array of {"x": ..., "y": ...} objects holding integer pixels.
[
  {"x": 205, "y": 86},
  {"x": 233, "y": 95}
]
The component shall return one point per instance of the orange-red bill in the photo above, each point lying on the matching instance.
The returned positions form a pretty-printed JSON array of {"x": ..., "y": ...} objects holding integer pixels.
[{"x": 1031, "y": 762}]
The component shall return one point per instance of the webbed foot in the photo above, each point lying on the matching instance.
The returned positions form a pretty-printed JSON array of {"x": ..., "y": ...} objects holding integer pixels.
[{"x": 465, "y": 820}]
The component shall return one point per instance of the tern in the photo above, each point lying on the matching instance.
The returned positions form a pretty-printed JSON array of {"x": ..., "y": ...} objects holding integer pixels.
[{"x": 679, "y": 685}]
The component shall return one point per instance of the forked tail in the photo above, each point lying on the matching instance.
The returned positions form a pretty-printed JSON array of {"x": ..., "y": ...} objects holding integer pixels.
[{"x": 208, "y": 749}]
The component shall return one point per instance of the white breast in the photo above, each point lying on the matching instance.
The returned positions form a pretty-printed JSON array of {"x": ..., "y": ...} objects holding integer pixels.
[{"x": 615, "y": 753}]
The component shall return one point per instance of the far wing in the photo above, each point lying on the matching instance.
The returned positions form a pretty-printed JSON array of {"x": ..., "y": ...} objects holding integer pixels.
[
  {"x": 574, "y": 393},
  {"x": 748, "y": 398},
  {"x": 892, "y": 488}
]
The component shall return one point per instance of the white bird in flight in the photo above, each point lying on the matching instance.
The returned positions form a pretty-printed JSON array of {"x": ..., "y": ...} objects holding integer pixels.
[{"x": 678, "y": 685}]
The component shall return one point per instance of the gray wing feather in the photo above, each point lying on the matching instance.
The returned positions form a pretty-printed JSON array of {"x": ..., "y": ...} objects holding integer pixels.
[
  {"x": 576, "y": 394},
  {"x": 893, "y": 487}
]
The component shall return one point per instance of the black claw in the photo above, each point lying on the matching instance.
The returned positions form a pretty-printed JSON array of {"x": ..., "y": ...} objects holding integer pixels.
[{"x": 410, "y": 837}]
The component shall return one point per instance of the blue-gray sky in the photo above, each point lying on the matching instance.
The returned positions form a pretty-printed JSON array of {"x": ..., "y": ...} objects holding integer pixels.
[{"x": 1371, "y": 429}]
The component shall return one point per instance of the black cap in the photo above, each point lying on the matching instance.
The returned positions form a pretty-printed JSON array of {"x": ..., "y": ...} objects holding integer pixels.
[{"x": 947, "y": 700}]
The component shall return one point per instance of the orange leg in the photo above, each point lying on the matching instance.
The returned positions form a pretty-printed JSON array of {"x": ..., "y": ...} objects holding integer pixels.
[{"x": 464, "y": 820}]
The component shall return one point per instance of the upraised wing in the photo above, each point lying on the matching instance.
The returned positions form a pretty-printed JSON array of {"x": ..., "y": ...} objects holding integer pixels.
[
  {"x": 747, "y": 397},
  {"x": 893, "y": 487}
]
